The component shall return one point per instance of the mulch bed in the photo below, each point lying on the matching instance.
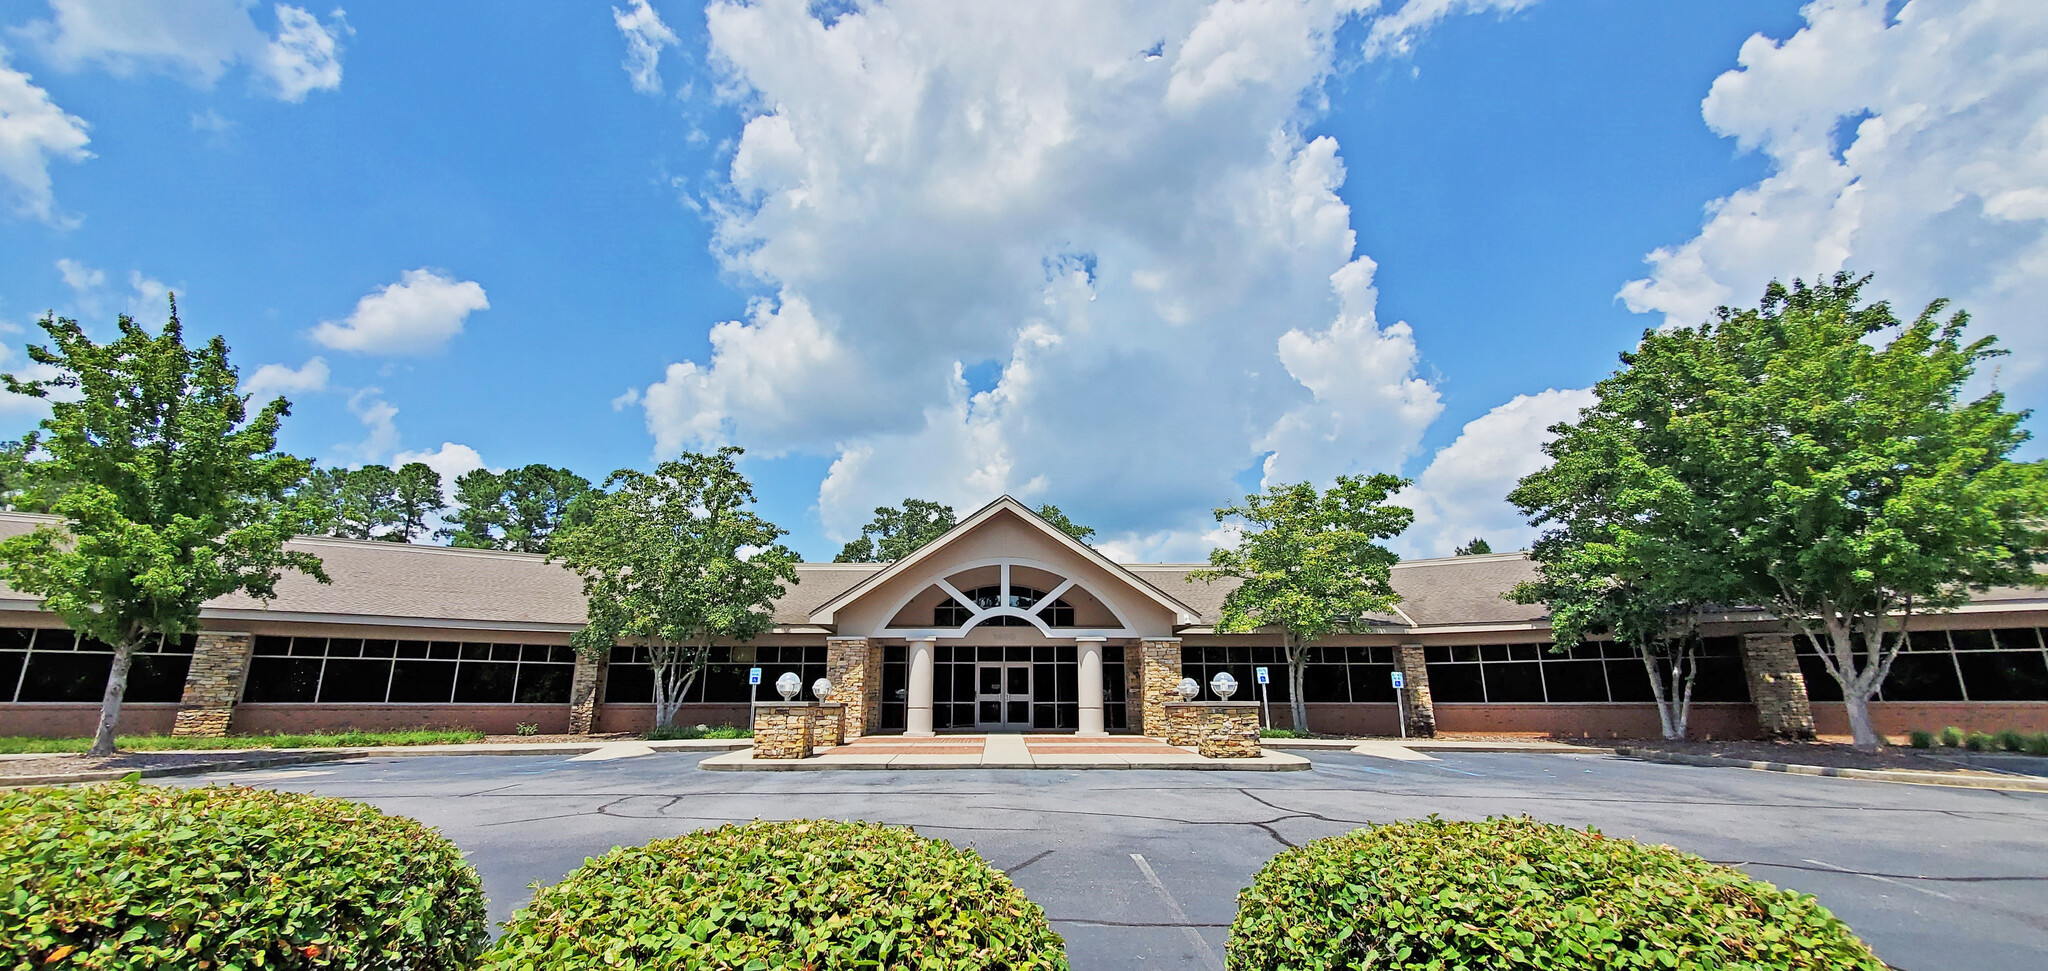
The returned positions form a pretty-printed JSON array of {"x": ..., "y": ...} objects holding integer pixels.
[
  {"x": 1825, "y": 754},
  {"x": 15, "y": 771}
]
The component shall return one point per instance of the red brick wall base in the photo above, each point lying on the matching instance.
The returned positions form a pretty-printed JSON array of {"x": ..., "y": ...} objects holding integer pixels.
[
  {"x": 1605, "y": 720},
  {"x": 639, "y": 718},
  {"x": 1900, "y": 717},
  {"x": 490, "y": 719},
  {"x": 53, "y": 719}
]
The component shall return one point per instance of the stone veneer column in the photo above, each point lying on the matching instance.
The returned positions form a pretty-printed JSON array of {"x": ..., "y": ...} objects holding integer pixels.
[
  {"x": 586, "y": 691},
  {"x": 1414, "y": 668},
  {"x": 1134, "y": 689},
  {"x": 1776, "y": 686},
  {"x": 220, "y": 663},
  {"x": 1159, "y": 658},
  {"x": 853, "y": 681},
  {"x": 1088, "y": 685}
]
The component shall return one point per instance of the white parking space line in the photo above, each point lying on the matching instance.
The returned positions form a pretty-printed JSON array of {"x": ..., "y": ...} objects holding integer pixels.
[{"x": 1209, "y": 958}]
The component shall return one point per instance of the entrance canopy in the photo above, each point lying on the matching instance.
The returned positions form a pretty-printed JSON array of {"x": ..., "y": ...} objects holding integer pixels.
[{"x": 1004, "y": 566}]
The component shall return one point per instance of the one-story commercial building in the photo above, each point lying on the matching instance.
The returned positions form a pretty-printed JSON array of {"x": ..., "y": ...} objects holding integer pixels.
[{"x": 1004, "y": 624}]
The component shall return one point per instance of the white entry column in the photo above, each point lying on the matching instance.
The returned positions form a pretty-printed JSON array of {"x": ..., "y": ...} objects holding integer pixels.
[
  {"x": 917, "y": 716},
  {"x": 1089, "y": 685}
]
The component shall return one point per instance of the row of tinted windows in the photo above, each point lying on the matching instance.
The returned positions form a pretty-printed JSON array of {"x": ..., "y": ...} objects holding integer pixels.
[
  {"x": 1497, "y": 673},
  {"x": 373, "y": 671},
  {"x": 54, "y": 664},
  {"x": 2006, "y": 664},
  {"x": 630, "y": 679}
]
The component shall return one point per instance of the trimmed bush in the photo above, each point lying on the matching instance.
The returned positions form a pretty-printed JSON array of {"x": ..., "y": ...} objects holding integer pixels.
[
  {"x": 1980, "y": 742},
  {"x": 674, "y": 732},
  {"x": 2036, "y": 744},
  {"x": 2011, "y": 740},
  {"x": 803, "y": 894},
  {"x": 1951, "y": 737},
  {"x": 1514, "y": 893},
  {"x": 1920, "y": 739},
  {"x": 113, "y": 877}
]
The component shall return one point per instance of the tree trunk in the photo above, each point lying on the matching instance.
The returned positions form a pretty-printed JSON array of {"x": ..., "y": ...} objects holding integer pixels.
[
  {"x": 1297, "y": 666},
  {"x": 1657, "y": 691},
  {"x": 110, "y": 703},
  {"x": 1857, "y": 706}
]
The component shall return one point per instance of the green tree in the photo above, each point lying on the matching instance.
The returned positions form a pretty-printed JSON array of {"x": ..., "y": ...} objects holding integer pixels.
[
  {"x": 415, "y": 498},
  {"x": 676, "y": 561},
  {"x": 1311, "y": 564},
  {"x": 1053, "y": 514},
  {"x": 1816, "y": 457},
  {"x": 517, "y": 509},
  {"x": 1855, "y": 483},
  {"x": 355, "y": 499},
  {"x": 177, "y": 494},
  {"x": 1476, "y": 547},
  {"x": 897, "y": 532},
  {"x": 21, "y": 488}
]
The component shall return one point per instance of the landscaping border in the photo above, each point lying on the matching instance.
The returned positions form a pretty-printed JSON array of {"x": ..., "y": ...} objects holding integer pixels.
[{"x": 1905, "y": 776}]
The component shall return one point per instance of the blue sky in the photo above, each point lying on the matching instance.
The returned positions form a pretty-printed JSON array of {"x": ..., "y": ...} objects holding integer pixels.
[{"x": 1132, "y": 259}]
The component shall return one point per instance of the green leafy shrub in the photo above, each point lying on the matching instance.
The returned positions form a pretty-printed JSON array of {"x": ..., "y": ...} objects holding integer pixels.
[
  {"x": 114, "y": 877},
  {"x": 528, "y": 729},
  {"x": 2035, "y": 744},
  {"x": 803, "y": 894},
  {"x": 1920, "y": 739},
  {"x": 1980, "y": 742},
  {"x": 1281, "y": 733},
  {"x": 1514, "y": 893},
  {"x": 2011, "y": 740},
  {"x": 674, "y": 732},
  {"x": 1951, "y": 737}
]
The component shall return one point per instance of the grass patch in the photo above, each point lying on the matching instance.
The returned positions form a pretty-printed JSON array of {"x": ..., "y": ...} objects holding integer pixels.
[
  {"x": 1282, "y": 733},
  {"x": 674, "y": 732},
  {"x": 21, "y": 745}
]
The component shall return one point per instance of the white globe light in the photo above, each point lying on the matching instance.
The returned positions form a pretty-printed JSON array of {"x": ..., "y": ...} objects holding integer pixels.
[
  {"x": 790, "y": 685},
  {"x": 1189, "y": 689},
  {"x": 821, "y": 688},
  {"x": 1223, "y": 684}
]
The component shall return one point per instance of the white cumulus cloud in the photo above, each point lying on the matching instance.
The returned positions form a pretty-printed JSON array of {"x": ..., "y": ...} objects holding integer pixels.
[
  {"x": 1395, "y": 34},
  {"x": 419, "y": 314},
  {"x": 1912, "y": 145},
  {"x": 272, "y": 380},
  {"x": 195, "y": 40},
  {"x": 451, "y": 461},
  {"x": 1462, "y": 494},
  {"x": 645, "y": 36},
  {"x": 1077, "y": 251},
  {"x": 380, "y": 425},
  {"x": 33, "y": 133}
]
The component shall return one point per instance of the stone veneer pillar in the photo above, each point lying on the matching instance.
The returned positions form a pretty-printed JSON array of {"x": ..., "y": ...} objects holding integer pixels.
[
  {"x": 1414, "y": 667},
  {"x": 1776, "y": 686},
  {"x": 854, "y": 682},
  {"x": 586, "y": 691},
  {"x": 1159, "y": 660},
  {"x": 213, "y": 684},
  {"x": 1134, "y": 688}
]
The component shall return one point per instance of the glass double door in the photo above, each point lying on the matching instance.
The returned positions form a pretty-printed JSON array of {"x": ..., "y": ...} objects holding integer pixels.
[{"x": 1002, "y": 697}]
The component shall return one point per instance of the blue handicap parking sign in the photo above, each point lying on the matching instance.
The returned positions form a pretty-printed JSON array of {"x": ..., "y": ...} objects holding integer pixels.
[
  {"x": 1397, "y": 679},
  {"x": 1263, "y": 679},
  {"x": 754, "y": 676}
]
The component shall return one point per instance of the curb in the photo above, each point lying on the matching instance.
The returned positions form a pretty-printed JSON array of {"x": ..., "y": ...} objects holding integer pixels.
[
  {"x": 1293, "y": 764},
  {"x": 1905, "y": 776},
  {"x": 311, "y": 756},
  {"x": 189, "y": 768}
]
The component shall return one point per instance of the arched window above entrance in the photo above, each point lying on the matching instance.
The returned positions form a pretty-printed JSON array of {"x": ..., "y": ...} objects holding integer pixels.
[{"x": 953, "y": 613}]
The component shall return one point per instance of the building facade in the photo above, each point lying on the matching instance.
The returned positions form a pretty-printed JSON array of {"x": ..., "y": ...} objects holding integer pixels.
[{"x": 1005, "y": 624}]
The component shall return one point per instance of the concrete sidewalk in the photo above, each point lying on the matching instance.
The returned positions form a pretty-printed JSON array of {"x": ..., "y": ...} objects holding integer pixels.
[
  {"x": 196, "y": 761},
  {"x": 1005, "y": 752}
]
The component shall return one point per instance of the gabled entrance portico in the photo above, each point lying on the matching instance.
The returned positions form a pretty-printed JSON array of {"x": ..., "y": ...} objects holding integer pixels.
[{"x": 1007, "y": 625}]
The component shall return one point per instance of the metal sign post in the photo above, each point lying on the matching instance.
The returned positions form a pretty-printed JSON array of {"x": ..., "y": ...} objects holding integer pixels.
[
  {"x": 753, "y": 694},
  {"x": 1264, "y": 705},
  {"x": 1400, "y": 705}
]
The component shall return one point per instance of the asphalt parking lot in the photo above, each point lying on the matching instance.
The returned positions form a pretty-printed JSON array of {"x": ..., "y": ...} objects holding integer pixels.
[{"x": 1140, "y": 869}]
